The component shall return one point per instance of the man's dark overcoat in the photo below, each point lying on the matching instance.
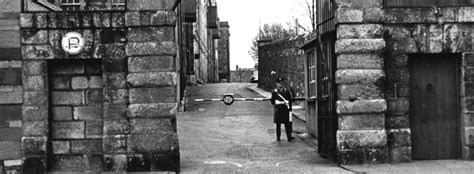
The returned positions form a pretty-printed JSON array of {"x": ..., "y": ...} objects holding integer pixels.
[{"x": 281, "y": 114}]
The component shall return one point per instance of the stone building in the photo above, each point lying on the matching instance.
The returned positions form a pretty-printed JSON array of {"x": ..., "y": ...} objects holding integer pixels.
[
  {"x": 224, "y": 52},
  {"x": 90, "y": 85},
  {"x": 206, "y": 41},
  {"x": 391, "y": 81}
]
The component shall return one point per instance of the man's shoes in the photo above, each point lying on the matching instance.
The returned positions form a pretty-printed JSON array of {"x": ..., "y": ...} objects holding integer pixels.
[
  {"x": 278, "y": 139},
  {"x": 291, "y": 139}
]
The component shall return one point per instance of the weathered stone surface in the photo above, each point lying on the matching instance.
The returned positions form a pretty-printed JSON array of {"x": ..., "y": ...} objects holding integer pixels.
[
  {"x": 152, "y": 95},
  {"x": 87, "y": 112},
  {"x": 115, "y": 163},
  {"x": 68, "y": 130},
  {"x": 94, "y": 97},
  {"x": 161, "y": 18},
  {"x": 94, "y": 129},
  {"x": 150, "y": 5},
  {"x": 404, "y": 15},
  {"x": 374, "y": 15},
  {"x": 151, "y": 126},
  {"x": 114, "y": 127},
  {"x": 77, "y": 163},
  {"x": 26, "y": 20},
  {"x": 397, "y": 121},
  {"x": 359, "y": 92},
  {"x": 116, "y": 96},
  {"x": 468, "y": 59},
  {"x": 11, "y": 95},
  {"x": 398, "y": 75},
  {"x": 37, "y": 52},
  {"x": 86, "y": 146},
  {"x": 359, "y": 61},
  {"x": 115, "y": 111},
  {"x": 148, "y": 64},
  {"x": 114, "y": 65},
  {"x": 79, "y": 82},
  {"x": 398, "y": 106},
  {"x": 402, "y": 46},
  {"x": 361, "y": 139},
  {"x": 10, "y": 150},
  {"x": 34, "y": 83},
  {"x": 61, "y": 147},
  {"x": 396, "y": 61},
  {"x": 101, "y": 19},
  {"x": 465, "y": 14},
  {"x": 362, "y": 122},
  {"x": 358, "y": 4},
  {"x": 376, "y": 156},
  {"x": 349, "y": 15},
  {"x": 32, "y": 146},
  {"x": 137, "y": 162},
  {"x": 152, "y": 79},
  {"x": 152, "y": 110},
  {"x": 34, "y": 67},
  {"x": 39, "y": 98},
  {"x": 360, "y": 46},
  {"x": 67, "y": 98},
  {"x": 152, "y": 143},
  {"x": 73, "y": 67},
  {"x": 114, "y": 144},
  {"x": 399, "y": 138},
  {"x": 118, "y": 20},
  {"x": 132, "y": 19},
  {"x": 399, "y": 31},
  {"x": 115, "y": 80},
  {"x": 150, "y": 48},
  {"x": 359, "y": 31},
  {"x": 435, "y": 39},
  {"x": 458, "y": 38},
  {"x": 34, "y": 113},
  {"x": 358, "y": 76},
  {"x": 361, "y": 107},
  {"x": 113, "y": 51},
  {"x": 61, "y": 82},
  {"x": 95, "y": 82},
  {"x": 151, "y": 34},
  {"x": 400, "y": 154},
  {"x": 37, "y": 128},
  {"x": 34, "y": 36}
]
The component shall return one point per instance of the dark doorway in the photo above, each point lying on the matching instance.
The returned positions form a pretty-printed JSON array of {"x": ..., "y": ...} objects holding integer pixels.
[{"x": 434, "y": 106}]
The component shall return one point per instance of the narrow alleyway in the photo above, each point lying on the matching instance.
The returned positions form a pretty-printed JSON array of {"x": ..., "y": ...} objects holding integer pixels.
[{"x": 240, "y": 138}]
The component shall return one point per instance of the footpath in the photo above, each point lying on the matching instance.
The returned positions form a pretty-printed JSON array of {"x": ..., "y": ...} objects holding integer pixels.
[{"x": 417, "y": 167}]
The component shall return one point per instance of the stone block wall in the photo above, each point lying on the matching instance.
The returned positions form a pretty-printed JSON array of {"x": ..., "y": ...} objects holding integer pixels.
[
  {"x": 111, "y": 107},
  {"x": 286, "y": 59},
  {"x": 420, "y": 30},
  {"x": 11, "y": 90},
  {"x": 361, "y": 106}
]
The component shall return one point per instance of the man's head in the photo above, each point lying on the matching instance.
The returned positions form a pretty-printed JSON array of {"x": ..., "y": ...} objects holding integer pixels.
[{"x": 279, "y": 82}]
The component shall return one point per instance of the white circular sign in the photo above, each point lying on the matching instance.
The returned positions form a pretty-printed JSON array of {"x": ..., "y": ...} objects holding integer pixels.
[{"x": 72, "y": 43}]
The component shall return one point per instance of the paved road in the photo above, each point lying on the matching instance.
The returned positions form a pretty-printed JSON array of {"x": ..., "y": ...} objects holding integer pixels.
[{"x": 215, "y": 138}]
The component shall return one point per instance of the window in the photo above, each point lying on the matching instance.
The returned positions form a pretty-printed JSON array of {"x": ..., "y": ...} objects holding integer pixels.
[
  {"x": 427, "y": 3},
  {"x": 311, "y": 59},
  {"x": 71, "y": 5}
]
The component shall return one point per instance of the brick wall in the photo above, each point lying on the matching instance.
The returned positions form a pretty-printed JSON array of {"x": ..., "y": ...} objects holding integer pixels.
[
  {"x": 286, "y": 59},
  {"x": 11, "y": 91}
]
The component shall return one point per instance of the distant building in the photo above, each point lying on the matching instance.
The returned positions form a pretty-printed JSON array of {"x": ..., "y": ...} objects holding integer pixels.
[{"x": 224, "y": 52}]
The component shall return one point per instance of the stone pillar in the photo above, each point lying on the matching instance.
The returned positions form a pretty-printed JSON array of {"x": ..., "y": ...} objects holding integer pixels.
[
  {"x": 152, "y": 144},
  {"x": 361, "y": 107}
]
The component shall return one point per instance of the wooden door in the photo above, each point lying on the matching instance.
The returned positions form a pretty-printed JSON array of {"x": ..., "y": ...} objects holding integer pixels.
[{"x": 434, "y": 116}]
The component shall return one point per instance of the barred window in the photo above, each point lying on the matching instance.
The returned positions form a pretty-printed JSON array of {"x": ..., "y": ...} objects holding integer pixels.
[{"x": 71, "y": 5}]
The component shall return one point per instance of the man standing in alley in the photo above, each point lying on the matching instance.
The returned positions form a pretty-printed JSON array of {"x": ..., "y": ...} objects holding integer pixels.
[{"x": 282, "y": 101}]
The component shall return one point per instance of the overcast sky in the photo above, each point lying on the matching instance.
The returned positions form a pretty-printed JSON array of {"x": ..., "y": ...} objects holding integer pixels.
[{"x": 243, "y": 17}]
